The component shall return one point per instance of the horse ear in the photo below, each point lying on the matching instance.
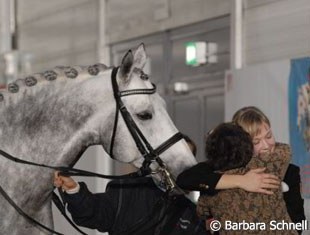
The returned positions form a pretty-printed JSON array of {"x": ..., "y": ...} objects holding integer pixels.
[
  {"x": 130, "y": 60},
  {"x": 126, "y": 64},
  {"x": 140, "y": 57}
]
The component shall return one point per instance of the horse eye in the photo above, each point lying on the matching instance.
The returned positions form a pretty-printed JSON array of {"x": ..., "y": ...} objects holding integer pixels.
[
  {"x": 144, "y": 116},
  {"x": 144, "y": 76}
]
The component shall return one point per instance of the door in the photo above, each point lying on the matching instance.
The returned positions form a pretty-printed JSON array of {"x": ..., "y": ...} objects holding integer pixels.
[{"x": 199, "y": 105}]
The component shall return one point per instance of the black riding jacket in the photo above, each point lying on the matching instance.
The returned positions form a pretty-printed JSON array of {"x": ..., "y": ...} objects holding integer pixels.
[{"x": 134, "y": 206}]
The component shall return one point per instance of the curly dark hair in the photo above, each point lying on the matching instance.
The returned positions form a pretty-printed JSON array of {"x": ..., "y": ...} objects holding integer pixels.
[{"x": 228, "y": 147}]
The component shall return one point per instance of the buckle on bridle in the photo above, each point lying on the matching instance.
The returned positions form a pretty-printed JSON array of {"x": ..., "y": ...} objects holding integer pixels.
[{"x": 168, "y": 181}]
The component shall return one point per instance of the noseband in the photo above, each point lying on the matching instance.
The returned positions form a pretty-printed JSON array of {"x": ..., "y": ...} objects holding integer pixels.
[{"x": 148, "y": 153}]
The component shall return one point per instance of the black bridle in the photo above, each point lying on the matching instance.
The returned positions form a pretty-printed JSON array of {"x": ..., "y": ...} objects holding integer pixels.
[{"x": 150, "y": 155}]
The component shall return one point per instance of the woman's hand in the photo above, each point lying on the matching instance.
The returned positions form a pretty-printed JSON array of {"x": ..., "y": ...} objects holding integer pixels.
[
  {"x": 257, "y": 181},
  {"x": 66, "y": 183}
]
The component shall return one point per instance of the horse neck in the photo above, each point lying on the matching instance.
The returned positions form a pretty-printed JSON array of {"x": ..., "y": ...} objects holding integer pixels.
[{"x": 53, "y": 123}]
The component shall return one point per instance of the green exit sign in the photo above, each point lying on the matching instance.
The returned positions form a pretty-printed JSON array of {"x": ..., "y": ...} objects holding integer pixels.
[
  {"x": 198, "y": 53},
  {"x": 195, "y": 53},
  {"x": 191, "y": 58}
]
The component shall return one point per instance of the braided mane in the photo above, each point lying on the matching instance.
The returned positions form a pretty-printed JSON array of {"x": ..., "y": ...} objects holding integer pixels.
[{"x": 59, "y": 72}]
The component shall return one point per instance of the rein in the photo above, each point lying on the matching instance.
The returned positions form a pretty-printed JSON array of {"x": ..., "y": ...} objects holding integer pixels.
[
  {"x": 150, "y": 155},
  {"x": 68, "y": 171}
]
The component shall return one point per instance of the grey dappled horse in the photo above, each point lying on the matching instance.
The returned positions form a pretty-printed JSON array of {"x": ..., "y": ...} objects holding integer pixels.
[{"x": 50, "y": 118}]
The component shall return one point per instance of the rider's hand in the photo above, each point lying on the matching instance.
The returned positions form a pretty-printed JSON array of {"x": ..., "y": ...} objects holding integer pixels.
[
  {"x": 256, "y": 180},
  {"x": 66, "y": 183}
]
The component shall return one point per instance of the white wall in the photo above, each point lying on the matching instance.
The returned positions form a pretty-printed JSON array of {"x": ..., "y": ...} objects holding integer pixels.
[
  {"x": 59, "y": 32},
  {"x": 276, "y": 30},
  {"x": 129, "y": 19},
  {"x": 66, "y": 31},
  {"x": 263, "y": 85}
]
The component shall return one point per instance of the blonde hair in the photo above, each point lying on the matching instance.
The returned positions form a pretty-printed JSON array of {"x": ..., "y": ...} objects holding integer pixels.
[{"x": 250, "y": 119}]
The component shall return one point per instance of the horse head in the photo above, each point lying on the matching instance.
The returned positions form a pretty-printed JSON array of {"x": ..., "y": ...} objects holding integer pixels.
[
  {"x": 148, "y": 111},
  {"x": 52, "y": 117}
]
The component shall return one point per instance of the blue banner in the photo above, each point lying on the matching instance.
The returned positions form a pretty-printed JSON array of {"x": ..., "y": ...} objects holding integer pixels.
[{"x": 299, "y": 119}]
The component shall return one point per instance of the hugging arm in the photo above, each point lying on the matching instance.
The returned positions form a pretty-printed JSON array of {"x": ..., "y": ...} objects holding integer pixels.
[{"x": 201, "y": 178}]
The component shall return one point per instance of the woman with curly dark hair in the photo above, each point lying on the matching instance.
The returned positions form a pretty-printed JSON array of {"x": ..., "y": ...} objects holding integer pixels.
[{"x": 221, "y": 151}]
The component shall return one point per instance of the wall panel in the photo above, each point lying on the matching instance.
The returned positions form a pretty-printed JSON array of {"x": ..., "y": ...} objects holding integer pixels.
[{"x": 277, "y": 30}]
